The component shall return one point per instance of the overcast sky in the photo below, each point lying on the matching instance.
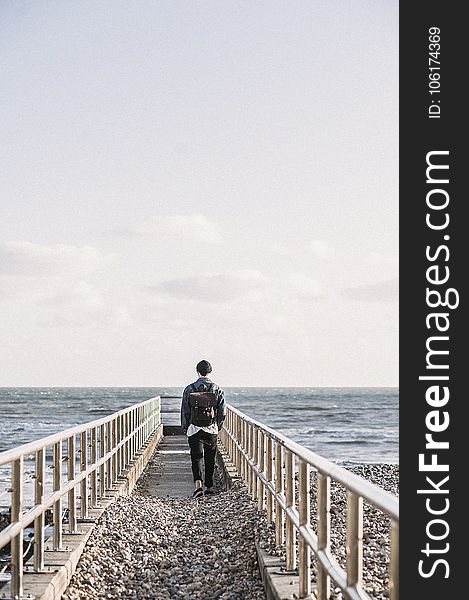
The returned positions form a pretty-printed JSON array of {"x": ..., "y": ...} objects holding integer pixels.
[{"x": 183, "y": 180}]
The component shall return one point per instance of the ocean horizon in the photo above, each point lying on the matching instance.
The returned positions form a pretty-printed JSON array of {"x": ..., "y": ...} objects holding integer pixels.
[{"x": 344, "y": 424}]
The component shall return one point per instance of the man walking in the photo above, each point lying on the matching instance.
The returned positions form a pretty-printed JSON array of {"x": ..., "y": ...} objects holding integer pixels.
[{"x": 202, "y": 416}]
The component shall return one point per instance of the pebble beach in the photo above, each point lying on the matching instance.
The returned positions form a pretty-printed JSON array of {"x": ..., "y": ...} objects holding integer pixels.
[
  {"x": 155, "y": 549},
  {"x": 162, "y": 548}
]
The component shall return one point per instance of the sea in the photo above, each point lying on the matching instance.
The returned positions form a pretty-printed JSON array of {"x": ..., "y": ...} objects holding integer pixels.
[{"x": 348, "y": 426}]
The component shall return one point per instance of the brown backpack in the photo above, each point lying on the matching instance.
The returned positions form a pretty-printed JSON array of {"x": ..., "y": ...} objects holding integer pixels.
[{"x": 203, "y": 406}]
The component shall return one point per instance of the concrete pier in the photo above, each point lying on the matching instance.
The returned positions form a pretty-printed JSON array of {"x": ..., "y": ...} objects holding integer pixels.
[{"x": 169, "y": 474}]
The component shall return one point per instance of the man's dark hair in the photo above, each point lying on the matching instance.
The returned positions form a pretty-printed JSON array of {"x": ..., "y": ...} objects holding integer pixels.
[{"x": 204, "y": 367}]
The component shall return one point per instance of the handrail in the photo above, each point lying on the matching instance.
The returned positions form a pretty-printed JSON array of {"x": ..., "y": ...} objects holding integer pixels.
[
  {"x": 375, "y": 495},
  {"x": 30, "y": 447},
  {"x": 266, "y": 460},
  {"x": 107, "y": 448}
]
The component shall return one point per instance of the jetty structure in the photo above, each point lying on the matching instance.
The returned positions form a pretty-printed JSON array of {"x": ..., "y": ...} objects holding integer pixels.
[{"x": 80, "y": 473}]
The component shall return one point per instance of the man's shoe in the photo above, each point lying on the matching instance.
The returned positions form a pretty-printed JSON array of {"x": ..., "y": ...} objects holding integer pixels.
[
  {"x": 198, "y": 493},
  {"x": 209, "y": 491}
]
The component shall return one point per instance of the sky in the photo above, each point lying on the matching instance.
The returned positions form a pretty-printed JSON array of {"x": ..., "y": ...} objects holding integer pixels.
[{"x": 199, "y": 179}]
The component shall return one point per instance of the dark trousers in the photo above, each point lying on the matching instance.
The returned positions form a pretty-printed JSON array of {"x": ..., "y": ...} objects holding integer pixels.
[{"x": 203, "y": 447}]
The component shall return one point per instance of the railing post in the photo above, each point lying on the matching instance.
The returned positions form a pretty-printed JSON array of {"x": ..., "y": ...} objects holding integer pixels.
[
  {"x": 145, "y": 427},
  {"x": 136, "y": 431},
  {"x": 239, "y": 435},
  {"x": 117, "y": 421},
  {"x": 108, "y": 461},
  {"x": 57, "y": 530},
  {"x": 290, "y": 503},
  {"x": 354, "y": 539},
  {"x": 17, "y": 541},
  {"x": 245, "y": 446},
  {"x": 304, "y": 550},
  {"x": 232, "y": 439},
  {"x": 72, "y": 508},
  {"x": 324, "y": 532},
  {"x": 102, "y": 468},
  {"x": 83, "y": 467},
  {"x": 139, "y": 431},
  {"x": 269, "y": 477},
  {"x": 93, "y": 460},
  {"x": 126, "y": 437},
  {"x": 142, "y": 426},
  {"x": 131, "y": 434},
  {"x": 260, "y": 485},
  {"x": 279, "y": 514},
  {"x": 114, "y": 454},
  {"x": 255, "y": 457},
  {"x": 394, "y": 564},
  {"x": 121, "y": 441},
  {"x": 250, "y": 456},
  {"x": 39, "y": 521}
]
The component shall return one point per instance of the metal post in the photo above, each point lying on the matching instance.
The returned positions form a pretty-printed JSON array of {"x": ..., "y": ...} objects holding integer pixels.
[
  {"x": 83, "y": 467},
  {"x": 124, "y": 447},
  {"x": 304, "y": 550},
  {"x": 279, "y": 514},
  {"x": 113, "y": 448},
  {"x": 290, "y": 503},
  {"x": 17, "y": 541},
  {"x": 142, "y": 427},
  {"x": 139, "y": 430},
  {"x": 117, "y": 422},
  {"x": 239, "y": 434},
  {"x": 136, "y": 433},
  {"x": 324, "y": 533},
  {"x": 244, "y": 445},
  {"x": 145, "y": 426},
  {"x": 260, "y": 485},
  {"x": 108, "y": 461},
  {"x": 269, "y": 477},
  {"x": 72, "y": 508},
  {"x": 121, "y": 441},
  {"x": 255, "y": 458},
  {"x": 250, "y": 455},
  {"x": 39, "y": 521},
  {"x": 131, "y": 434},
  {"x": 126, "y": 437},
  {"x": 93, "y": 459},
  {"x": 354, "y": 539},
  {"x": 394, "y": 565},
  {"x": 57, "y": 531},
  {"x": 233, "y": 437},
  {"x": 102, "y": 468}
]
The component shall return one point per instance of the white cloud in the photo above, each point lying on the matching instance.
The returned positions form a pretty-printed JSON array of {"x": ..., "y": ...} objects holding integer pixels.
[
  {"x": 321, "y": 249},
  {"x": 247, "y": 285},
  {"x": 179, "y": 227},
  {"x": 23, "y": 258},
  {"x": 381, "y": 291},
  {"x": 213, "y": 287},
  {"x": 82, "y": 304}
]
